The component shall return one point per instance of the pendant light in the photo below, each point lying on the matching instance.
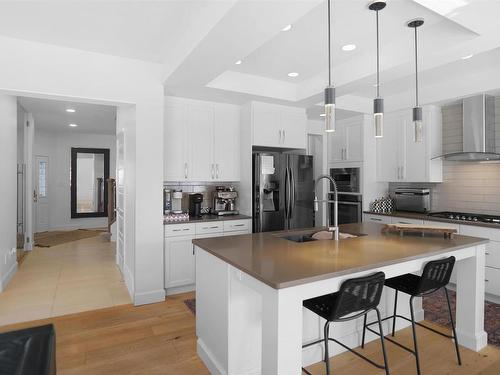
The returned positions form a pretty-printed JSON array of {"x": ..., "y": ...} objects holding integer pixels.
[
  {"x": 329, "y": 90},
  {"x": 378, "y": 102},
  {"x": 417, "y": 110}
]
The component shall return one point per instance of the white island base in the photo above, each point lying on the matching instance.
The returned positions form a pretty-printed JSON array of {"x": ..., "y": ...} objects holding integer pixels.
[{"x": 246, "y": 327}]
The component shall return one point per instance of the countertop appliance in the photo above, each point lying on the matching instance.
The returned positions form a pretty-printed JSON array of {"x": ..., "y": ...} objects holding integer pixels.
[
  {"x": 167, "y": 201},
  {"x": 195, "y": 201},
  {"x": 225, "y": 201},
  {"x": 347, "y": 179},
  {"x": 283, "y": 191},
  {"x": 464, "y": 216},
  {"x": 177, "y": 201},
  {"x": 412, "y": 199}
]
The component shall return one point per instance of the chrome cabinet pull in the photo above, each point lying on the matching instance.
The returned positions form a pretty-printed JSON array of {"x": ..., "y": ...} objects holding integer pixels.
[
  {"x": 212, "y": 170},
  {"x": 217, "y": 170},
  {"x": 185, "y": 170},
  {"x": 283, "y": 136},
  {"x": 238, "y": 225},
  {"x": 279, "y": 140},
  {"x": 374, "y": 219}
]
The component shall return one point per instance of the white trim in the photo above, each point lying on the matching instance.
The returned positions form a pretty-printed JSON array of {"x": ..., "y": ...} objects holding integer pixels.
[
  {"x": 179, "y": 289},
  {"x": 208, "y": 359},
  {"x": 129, "y": 280},
  {"x": 149, "y": 297},
  {"x": 4, "y": 281}
]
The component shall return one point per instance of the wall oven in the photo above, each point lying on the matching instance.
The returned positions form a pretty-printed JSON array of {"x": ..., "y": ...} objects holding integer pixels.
[
  {"x": 350, "y": 198},
  {"x": 347, "y": 179}
]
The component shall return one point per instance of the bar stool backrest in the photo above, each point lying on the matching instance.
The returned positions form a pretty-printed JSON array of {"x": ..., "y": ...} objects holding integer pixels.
[
  {"x": 358, "y": 295},
  {"x": 436, "y": 275}
]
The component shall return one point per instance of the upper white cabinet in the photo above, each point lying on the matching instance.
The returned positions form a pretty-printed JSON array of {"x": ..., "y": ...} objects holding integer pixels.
[
  {"x": 278, "y": 126},
  {"x": 201, "y": 141},
  {"x": 346, "y": 143},
  {"x": 399, "y": 158}
]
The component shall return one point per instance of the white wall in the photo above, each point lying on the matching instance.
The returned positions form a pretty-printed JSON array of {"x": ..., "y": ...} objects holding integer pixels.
[
  {"x": 8, "y": 188},
  {"x": 42, "y": 70},
  {"x": 57, "y": 146}
]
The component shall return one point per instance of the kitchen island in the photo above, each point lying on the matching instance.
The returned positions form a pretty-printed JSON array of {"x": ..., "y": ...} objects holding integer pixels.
[{"x": 250, "y": 288}]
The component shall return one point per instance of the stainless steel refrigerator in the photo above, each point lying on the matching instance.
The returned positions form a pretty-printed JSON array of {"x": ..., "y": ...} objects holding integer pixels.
[{"x": 283, "y": 193}]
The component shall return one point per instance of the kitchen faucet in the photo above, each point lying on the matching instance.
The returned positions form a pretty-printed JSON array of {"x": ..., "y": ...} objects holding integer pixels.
[{"x": 335, "y": 227}]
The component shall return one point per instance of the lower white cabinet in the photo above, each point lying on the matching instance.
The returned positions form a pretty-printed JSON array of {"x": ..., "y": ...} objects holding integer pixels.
[
  {"x": 404, "y": 220},
  {"x": 179, "y": 252},
  {"x": 380, "y": 219}
]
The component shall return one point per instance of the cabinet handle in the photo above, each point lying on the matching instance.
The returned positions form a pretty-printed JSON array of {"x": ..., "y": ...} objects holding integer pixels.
[
  {"x": 486, "y": 253},
  {"x": 279, "y": 141},
  {"x": 212, "y": 170},
  {"x": 186, "y": 229},
  {"x": 185, "y": 170},
  {"x": 217, "y": 171},
  {"x": 176, "y": 230},
  {"x": 283, "y": 136},
  {"x": 238, "y": 225},
  {"x": 486, "y": 280},
  {"x": 374, "y": 219}
]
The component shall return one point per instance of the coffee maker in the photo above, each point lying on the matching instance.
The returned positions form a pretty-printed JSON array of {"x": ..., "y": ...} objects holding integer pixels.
[
  {"x": 225, "y": 201},
  {"x": 195, "y": 204}
]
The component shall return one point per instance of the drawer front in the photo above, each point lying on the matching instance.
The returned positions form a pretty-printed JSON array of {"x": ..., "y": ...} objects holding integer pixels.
[
  {"x": 440, "y": 224},
  {"x": 483, "y": 232},
  {"x": 493, "y": 254},
  {"x": 492, "y": 281},
  {"x": 237, "y": 225},
  {"x": 380, "y": 219},
  {"x": 235, "y": 233},
  {"x": 174, "y": 230},
  {"x": 404, "y": 220},
  {"x": 209, "y": 227}
]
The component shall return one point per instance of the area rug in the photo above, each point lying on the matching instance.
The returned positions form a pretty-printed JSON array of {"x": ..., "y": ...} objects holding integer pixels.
[
  {"x": 191, "y": 305},
  {"x": 436, "y": 310},
  {"x": 54, "y": 238}
]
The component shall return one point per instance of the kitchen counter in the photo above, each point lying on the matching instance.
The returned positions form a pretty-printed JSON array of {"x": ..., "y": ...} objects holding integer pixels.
[
  {"x": 250, "y": 291},
  {"x": 281, "y": 263},
  {"x": 422, "y": 216},
  {"x": 208, "y": 218}
]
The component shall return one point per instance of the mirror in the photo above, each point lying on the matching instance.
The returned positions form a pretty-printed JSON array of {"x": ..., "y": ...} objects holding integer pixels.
[{"x": 89, "y": 173}]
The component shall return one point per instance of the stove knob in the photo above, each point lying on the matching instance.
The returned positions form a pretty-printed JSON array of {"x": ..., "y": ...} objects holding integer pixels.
[
  {"x": 474, "y": 218},
  {"x": 462, "y": 218},
  {"x": 457, "y": 217},
  {"x": 469, "y": 218}
]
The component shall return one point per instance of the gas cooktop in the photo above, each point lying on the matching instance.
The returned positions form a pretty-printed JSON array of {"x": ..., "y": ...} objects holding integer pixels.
[{"x": 464, "y": 216}]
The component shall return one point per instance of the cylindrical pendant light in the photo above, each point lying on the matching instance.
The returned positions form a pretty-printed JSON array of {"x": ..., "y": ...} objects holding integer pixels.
[
  {"x": 378, "y": 102},
  {"x": 417, "y": 110},
  {"x": 329, "y": 90}
]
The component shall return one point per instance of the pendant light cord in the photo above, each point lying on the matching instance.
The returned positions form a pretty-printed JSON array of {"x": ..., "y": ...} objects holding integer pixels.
[
  {"x": 416, "y": 69},
  {"x": 329, "y": 46},
  {"x": 378, "y": 62}
]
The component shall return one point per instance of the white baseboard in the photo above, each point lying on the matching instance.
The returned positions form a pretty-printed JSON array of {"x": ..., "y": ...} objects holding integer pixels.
[
  {"x": 180, "y": 289},
  {"x": 214, "y": 367},
  {"x": 149, "y": 297},
  {"x": 128, "y": 276},
  {"x": 4, "y": 281}
]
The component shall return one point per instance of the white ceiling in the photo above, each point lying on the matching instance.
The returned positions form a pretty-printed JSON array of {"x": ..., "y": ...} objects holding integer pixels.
[
  {"x": 198, "y": 42},
  {"x": 51, "y": 115}
]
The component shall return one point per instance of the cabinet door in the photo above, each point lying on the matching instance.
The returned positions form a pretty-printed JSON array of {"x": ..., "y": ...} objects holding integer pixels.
[
  {"x": 175, "y": 142},
  {"x": 227, "y": 143},
  {"x": 179, "y": 262},
  {"x": 336, "y": 144},
  {"x": 389, "y": 149},
  {"x": 293, "y": 127},
  {"x": 415, "y": 159},
  {"x": 201, "y": 140},
  {"x": 354, "y": 142},
  {"x": 266, "y": 126},
  {"x": 406, "y": 220},
  {"x": 379, "y": 219}
]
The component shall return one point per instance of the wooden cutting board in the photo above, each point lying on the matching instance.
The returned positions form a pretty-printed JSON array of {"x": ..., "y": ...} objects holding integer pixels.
[{"x": 415, "y": 228}]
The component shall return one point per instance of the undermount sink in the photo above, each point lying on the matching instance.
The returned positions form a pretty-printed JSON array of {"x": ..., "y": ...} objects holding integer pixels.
[{"x": 320, "y": 236}]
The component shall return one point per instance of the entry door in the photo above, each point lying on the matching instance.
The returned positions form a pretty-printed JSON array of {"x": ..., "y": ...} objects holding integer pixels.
[{"x": 40, "y": 194}]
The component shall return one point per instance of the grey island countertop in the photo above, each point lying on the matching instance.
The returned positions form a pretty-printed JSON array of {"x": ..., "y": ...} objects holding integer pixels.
[{"x": 281, "y": 263}]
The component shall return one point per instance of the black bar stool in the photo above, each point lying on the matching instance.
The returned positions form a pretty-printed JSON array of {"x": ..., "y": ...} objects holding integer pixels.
[
  {"x": 435, "y": 276},
  {"x": 355, "y": 298}
]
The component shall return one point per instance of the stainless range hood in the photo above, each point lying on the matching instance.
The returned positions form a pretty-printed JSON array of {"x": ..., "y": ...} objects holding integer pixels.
[{"x": 478, "y": 131}]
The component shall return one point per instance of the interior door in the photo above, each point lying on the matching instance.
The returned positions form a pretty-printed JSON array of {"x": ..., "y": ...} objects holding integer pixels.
[
  {"x": 40, "y": 194},
  {"x": 301, "y": 213}
]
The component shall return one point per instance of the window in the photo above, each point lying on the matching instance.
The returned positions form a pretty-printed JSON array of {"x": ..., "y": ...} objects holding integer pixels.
[{"x": 42, "y": 179}]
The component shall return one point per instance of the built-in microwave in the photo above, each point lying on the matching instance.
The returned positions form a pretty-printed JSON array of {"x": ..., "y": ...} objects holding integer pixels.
[{"x": 347, "y": 179}]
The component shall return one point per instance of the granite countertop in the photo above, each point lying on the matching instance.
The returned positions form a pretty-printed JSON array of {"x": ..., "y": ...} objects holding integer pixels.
[
  {"x": 281, "y": 263},
  {"x": 209, "y": 217},
  {"x": 423, "y": 216}
]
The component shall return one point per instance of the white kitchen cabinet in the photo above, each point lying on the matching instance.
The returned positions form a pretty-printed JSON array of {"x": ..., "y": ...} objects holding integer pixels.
[
  {"x": 399, "y": 158},
  {"x": 404, "y": 220},
  {"x": 278, "y": 126},
  {"x": 179, "y": 261},
  {"x": 346, "y": 143},
  {"x": 379, "y": 219},
  {"x": 201, "y": 141}
]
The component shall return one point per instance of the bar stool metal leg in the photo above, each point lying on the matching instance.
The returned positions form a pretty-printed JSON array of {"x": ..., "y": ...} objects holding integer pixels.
[
  {"x": 381, "y": 341},
  {"x": 455, "y": 339},
  {"x": 413, "y": 326},
  {"x": 327, "y": 355},
  {"x": 364, "y": 332},
  {"x": 395, "y": 309}
]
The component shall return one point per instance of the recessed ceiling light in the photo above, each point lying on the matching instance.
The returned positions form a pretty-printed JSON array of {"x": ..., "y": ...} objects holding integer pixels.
[
  {"x": 323, "y": 115},
  {"x": 70, "y": 110},
  {"x": 287, "y": 28},
  {"x": 467, "y": 57},
  {"x": 238, "y": 62},
  {"x": 73, "y": 125},
  {"x": 349, "y": 47},
  {"x": 293, "y": 74}
]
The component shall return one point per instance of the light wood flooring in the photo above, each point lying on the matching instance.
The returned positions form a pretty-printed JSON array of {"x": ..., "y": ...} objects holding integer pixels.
[
  {"x": 73, "y": 277},
  {"x": 160, "y": 339}
]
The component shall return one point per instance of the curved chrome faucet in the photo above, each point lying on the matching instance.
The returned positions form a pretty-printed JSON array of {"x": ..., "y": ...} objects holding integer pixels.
[{"x": 335, "y": 227}]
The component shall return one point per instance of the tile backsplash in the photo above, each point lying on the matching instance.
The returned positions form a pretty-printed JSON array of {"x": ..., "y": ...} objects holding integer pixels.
[
  {"x": 466, "y": 186},
  {"x": 205, "y": 188}
]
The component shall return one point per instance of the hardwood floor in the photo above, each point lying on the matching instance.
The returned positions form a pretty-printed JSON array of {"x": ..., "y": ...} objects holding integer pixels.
[{"x": 160, "y": 339}]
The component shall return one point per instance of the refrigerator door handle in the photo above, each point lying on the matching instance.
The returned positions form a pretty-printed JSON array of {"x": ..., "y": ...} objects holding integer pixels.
[
  {"x": 287, "y": 188},
  {"x": 292, "y": 190}
]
